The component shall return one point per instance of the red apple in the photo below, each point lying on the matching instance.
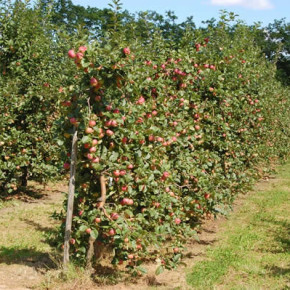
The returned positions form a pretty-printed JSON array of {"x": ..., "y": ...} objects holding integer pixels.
[
  {"x": 73, "y": 121},
  {"x": 89, "y": 130},
  {"x": 92, "y": 123},
  {"x": 126, "y": 50},
  {"x": 93, "y": 149},
  {"x": 116, "y": 173},
  {"x": 72, "y": 241},
  {"x": 122, "y": 172},
  {"x": 114, "y": 216},
  {"x": 71, "y": 53},
  {"x": 82, "y": 49},
  {"x": 96, "y": 160},
  {"x": 109, "y": 133},
  {"x": 112, "y": 232},
  {"x": 94, "y": 82},
  {"x": 130, "y": 166},
  {"x": 66, "y": 166}
]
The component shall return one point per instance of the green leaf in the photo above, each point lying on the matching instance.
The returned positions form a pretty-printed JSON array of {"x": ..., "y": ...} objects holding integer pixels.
[
  {"x": 159, "y": 270},
  {"x": 94, "y": 234}
]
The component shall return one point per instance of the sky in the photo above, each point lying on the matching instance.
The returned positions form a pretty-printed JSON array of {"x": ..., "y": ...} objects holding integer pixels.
[{"x": 250, "y": 11}]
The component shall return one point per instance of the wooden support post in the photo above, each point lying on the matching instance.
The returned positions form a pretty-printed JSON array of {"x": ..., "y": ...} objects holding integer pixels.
[{"x": 70, "y": 201}]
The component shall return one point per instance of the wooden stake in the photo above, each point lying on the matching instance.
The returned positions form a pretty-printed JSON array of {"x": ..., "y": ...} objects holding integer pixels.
[{"x": 70, "y": 201}]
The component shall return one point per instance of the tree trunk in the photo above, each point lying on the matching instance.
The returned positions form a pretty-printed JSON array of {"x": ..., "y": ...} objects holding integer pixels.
[{"x": 70, "y": 201}]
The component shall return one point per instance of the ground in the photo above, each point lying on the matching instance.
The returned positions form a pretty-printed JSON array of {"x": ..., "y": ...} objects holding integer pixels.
[{"x": 247, "y": 250}]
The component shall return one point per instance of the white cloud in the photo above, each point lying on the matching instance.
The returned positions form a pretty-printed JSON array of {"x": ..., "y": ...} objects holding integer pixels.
[{"x": 252, "y": 4}]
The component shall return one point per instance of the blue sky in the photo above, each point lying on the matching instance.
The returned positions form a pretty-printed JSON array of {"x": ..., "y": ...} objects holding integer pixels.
[{"x": 248, "y": 10}]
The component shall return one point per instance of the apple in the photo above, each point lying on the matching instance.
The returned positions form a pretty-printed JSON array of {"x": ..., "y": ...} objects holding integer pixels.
[
  {"x": 140, "y": 101},
  {"x": 130, "y": 166},
  {"x": 96, "y": 160},
  {"x": 124, "y": 201},
  {"x": 126, "y": 50},
  {"x": 92, "y": 123},
  {"x": 73, "y": 121},
  {"x": 177, "y": 221},
  {"x": 112, "y": 232},
  {"x": 151, "y": 138},
  {"x": 66, "y": 165},
  {"x": 88, "y": 230},
  {"x": 114, "y": 123},
  {"x": 93, "y": 149},
  {"x": 109, "y": 132},
  {"x": 82, "y": 49},
  {"x": 98, "y": 220},
  {"x": 116, "y": 173},
  {"x": 71, "y": 53},
  {"x": 114, "y": 216},
  {"x": 130, "y": 256},
  {"x": 122, "y": 172},
  {"x": 95, "y": 142},
  {"x": 89, "y": 130},
  {"x": 124, "y": 188},
  {"x": 175, "y": 250},
  {"x": 90, "y": 156},
  {"x": 79, "y": 56},
  {"x": 72, "y": 241},
  {"x": 165, "y": 174},
  {"x": 94, "y": 82}
]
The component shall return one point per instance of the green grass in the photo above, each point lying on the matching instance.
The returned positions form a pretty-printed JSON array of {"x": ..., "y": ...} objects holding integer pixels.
[
  {"x": 23, "y": 231},
  {"x": 254, "y": 249}
]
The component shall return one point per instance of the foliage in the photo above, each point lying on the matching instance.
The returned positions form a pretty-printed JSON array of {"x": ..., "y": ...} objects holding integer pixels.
[
  {"x": 178, "y": 133},
  {"x": 32, "y": 63}
]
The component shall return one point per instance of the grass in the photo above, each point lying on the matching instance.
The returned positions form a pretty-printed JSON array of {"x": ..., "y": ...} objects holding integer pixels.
[
  {"x": 23, "y": 230},
  {"x": 252, "y": 252},
  {"x": 254, "y": 249}
]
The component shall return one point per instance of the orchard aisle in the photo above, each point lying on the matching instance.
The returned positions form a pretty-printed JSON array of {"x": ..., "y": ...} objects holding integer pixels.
[
  {"x": 253, "y": 251},
  {"x": 247, "y": 250},
  {"x": 24, "y": 225}
]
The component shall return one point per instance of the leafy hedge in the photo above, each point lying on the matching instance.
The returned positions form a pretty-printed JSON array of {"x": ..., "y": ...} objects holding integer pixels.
[
  {"x": 177, "y": 133},
  {"x": 33, "y": 68}
]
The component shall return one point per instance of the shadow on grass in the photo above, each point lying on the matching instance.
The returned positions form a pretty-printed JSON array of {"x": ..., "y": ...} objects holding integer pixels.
[
  {"x": 25, "y": 194},
  {"x": 280, "y": 229},
  {"x": 39, "y": 227},
  {"x": 27, "y": 256},
  {"x": 29, "y": 193},
  {"x": 278, "y": 271},
  {"x": 50, "y": 233}
]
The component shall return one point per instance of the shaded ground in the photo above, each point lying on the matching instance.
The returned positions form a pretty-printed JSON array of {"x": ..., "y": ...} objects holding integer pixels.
[
  {"x": 249, "y": 250},
  {"x": 24, "y": 225}
]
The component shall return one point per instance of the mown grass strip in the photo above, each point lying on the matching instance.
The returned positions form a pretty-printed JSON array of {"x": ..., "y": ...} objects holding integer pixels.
[{"x": 254, "y": 249}]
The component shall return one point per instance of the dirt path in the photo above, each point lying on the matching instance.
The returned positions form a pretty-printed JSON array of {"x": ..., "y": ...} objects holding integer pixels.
[{"x": 25, "y": 261}]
